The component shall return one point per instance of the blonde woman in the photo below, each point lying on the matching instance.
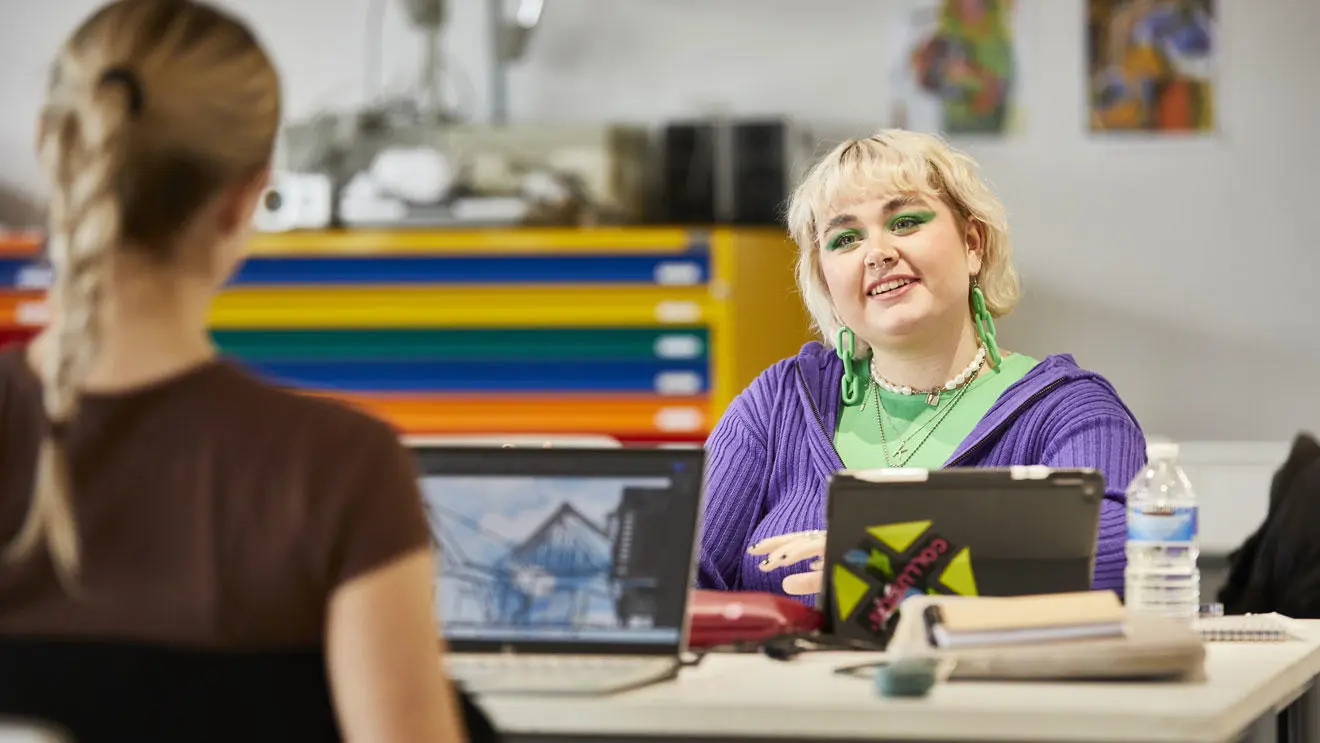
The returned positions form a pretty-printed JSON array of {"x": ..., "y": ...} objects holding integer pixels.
[
  {"x": 904, "y": 263},
  {"x": 192, "y": 553}
]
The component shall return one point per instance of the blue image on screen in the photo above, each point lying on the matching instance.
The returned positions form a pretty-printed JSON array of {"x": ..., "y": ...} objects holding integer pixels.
[{"x": 541, "y": 558}]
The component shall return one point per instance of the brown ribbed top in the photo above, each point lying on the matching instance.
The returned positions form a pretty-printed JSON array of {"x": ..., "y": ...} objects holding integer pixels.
[{"x": 213, "y": 509}]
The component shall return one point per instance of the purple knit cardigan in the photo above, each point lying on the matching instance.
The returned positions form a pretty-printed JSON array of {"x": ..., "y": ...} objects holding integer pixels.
[{"x": 771, "y": 456}]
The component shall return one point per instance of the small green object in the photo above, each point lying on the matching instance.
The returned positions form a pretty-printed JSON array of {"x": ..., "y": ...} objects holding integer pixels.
[
  {"x": 906, "y": 677},
  {"x": 850, "y": 387}
]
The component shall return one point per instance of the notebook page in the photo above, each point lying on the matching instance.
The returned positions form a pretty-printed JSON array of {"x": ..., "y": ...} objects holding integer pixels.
[{"x": 988, "y": 614}]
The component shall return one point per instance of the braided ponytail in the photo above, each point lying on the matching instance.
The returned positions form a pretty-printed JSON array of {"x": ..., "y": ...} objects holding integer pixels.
[
  {"x": 154, "y": 108},
  {"x": 83, "y": 150}
]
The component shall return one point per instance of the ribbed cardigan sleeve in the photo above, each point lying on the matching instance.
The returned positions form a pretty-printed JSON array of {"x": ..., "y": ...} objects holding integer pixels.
[
  {"x": 737, "y": 472},
  {"x": 1100, "y": 433}
]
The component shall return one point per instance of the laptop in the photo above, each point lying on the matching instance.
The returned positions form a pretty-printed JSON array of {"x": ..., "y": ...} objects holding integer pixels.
[
  {"x": 896, "y": 533},
  {"x": 562, "y": 570}
]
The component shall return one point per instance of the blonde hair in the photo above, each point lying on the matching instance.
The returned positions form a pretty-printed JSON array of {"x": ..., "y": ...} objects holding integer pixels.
[
  {"x": 894, "y": 161},
  {"x": 153, "y": 107}
]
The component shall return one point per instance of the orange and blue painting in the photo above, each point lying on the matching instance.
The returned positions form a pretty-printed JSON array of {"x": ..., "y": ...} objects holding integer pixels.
[
  {"x": 960, "y": 67},
  {"x": 1151, "y": 65}
]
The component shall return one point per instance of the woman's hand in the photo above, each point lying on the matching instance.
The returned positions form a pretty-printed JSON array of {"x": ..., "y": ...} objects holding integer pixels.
[{"x": 789, "y": 549}]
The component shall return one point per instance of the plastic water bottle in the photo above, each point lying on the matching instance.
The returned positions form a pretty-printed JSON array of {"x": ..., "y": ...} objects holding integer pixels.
[{"x": 1162, "y": 577}]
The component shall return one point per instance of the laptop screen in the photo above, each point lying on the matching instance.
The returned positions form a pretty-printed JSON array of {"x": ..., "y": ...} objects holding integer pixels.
[{"x": 572, "y": 550}]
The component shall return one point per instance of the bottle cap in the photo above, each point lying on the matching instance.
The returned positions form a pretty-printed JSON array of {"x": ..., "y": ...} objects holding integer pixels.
[
  {"x": 907, "y": 677},
  {"x": 1161, "y": 450}
]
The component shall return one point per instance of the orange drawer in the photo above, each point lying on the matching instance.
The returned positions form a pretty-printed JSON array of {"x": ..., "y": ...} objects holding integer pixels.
[
  {"x": 626, "y": 417},
  {"x": 22, "y": 309}
]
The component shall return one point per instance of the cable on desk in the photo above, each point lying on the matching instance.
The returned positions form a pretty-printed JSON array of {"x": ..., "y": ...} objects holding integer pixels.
[
  {"x": 893, "y": 677},
  {"x": 856, "y": 669},
  {"x": 783, "y": 647}
]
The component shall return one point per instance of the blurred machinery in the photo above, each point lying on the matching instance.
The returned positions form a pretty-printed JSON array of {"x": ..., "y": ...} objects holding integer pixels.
[{"x": 410, "y": 159}]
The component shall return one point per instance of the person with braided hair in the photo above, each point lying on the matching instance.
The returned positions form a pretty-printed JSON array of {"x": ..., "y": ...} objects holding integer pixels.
[{"x": 189, "y": 552}]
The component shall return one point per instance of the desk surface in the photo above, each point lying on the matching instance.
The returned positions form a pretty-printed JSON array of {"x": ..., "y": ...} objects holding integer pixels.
[{"x": 749, "y": 696}]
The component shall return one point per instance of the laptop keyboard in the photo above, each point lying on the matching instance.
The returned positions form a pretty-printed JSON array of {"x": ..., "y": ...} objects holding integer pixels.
[{"x": 571, "y": 674}]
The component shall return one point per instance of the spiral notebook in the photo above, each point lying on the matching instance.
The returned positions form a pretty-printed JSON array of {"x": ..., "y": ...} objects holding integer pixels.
[{"x": 1246, "y": 628}]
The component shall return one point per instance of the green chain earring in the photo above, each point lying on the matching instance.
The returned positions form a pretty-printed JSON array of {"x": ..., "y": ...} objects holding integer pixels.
[
  {"x": 845, "y": 344},
  {"x": 985, "y": 325}
]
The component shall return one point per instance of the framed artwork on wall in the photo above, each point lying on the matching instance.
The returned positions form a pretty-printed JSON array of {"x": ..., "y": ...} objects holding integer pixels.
[
  {"x": 1151, "y": 66},
  {"x": 957, "y": 69}
]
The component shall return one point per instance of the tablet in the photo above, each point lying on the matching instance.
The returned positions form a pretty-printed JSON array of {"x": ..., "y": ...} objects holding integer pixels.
[{"x": 893, "y": 533}]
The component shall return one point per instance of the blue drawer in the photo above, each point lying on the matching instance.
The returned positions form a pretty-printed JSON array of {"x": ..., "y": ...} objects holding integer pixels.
[
  {"x": 675, "y": 270},
  {"x": 530, "y": 375}
]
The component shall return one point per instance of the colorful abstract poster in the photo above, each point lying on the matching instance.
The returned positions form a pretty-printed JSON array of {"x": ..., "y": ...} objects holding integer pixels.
[
  {"x": 958, "y": 71},
  {"x": 1151, "y": 65}
]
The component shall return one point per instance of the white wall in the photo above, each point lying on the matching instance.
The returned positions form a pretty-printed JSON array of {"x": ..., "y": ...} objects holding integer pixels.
[
  {"x": 1232, "y": 484},
  {"x": 1181, "y": 269}
]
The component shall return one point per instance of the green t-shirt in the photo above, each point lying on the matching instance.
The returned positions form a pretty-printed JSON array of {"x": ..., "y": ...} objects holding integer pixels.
[{"x": 911, "y": 421}]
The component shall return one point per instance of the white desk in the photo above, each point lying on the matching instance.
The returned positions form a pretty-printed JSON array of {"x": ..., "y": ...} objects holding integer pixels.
[{"x": 749, "y": 697}]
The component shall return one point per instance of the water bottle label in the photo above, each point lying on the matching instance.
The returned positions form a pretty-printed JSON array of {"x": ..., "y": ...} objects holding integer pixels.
[{"x": 1161, "y": 524}]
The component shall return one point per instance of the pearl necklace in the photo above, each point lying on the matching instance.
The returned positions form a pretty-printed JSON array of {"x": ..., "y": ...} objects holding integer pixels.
[{"x": 933, "y": 394}]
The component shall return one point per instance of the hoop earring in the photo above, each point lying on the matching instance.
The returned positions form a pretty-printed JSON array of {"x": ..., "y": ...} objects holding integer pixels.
[
  {"x": 985, "y": 325},
  {"x": 850, "y": 386}
]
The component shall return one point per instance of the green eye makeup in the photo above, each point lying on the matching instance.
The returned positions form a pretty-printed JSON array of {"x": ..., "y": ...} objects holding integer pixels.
[
  {"x": 909, "y": 221},
  {"x": 843, "y": 239}
]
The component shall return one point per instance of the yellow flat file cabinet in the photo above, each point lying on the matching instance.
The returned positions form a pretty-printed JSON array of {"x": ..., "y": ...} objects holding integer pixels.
[{"x": 734, "y": 283}]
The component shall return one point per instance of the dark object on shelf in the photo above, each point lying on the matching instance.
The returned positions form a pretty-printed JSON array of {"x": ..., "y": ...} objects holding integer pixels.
[{"x": 727, "y": 172}]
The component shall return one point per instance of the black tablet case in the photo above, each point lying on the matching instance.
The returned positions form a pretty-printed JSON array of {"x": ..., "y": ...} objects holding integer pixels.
[{"x": 987, "y": 532}]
